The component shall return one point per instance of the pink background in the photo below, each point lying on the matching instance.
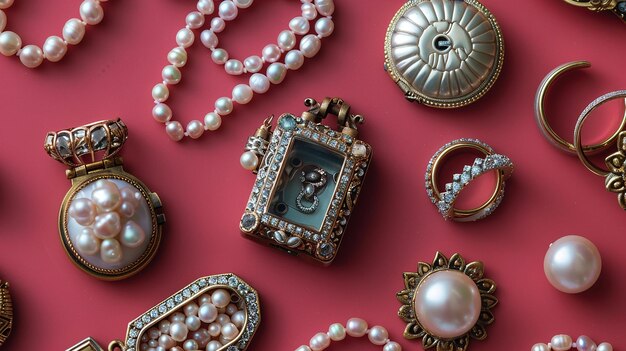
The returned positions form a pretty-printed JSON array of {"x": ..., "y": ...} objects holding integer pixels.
[{"x": 204, "y": 190}]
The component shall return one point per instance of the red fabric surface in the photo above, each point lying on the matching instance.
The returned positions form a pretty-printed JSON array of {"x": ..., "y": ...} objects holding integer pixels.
[{"x": 204, "y": 190}]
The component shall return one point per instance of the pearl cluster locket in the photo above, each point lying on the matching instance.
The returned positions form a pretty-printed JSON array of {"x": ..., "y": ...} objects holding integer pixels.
[{"x": 109, "y": 222}]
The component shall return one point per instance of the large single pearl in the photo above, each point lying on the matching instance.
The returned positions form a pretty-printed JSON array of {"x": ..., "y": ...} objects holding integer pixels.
[
  {"x": 3, "y": 20},
  {"x": 31, "y": 56},
  {"x": 174, "y": 130},
  {"x": 54, "y": 48},
  {"x": 447, "y": 303},
  {"x": 10, "y": 43},
  {"x": 378, "y": 335},
  {"x": 319, "y": 342},
  {"x": 83, "y": 211},
  {"x": 540, "y": 347},
  {"x": 107, "y": 225},
  {"x": 325, "y": 7},
  {"x": 356, "y": 327},
  {"x": 276, "y": 72},
  {"x": 111, "y": 251},
  {"x": 178, "y": 331},
  {"x": 324, "y": 27},
  {"x": 308, "y": 11},
  {"x": 294, "y": 60},
  {"x": 561, "y": 342},
  {"x": 253, "y": 63},
  {"x": 87, "y": 243},
  {"x": 271, "y": 53},
  {"x": 194, "y": 20},
  {"x": 243, "y": 4},
  {"x": 310, "y": 45},
  {"x": 336, "y": 332},
  {"x": 242, "y": 94},
  {"x": 299, "y": 25},
  {"x": 177, "y": 56},
  {"x": 106, "y": 196},
  {"x": 228, "y": 10},
  {"x": 259, "y": 83},
  {"x": 91, "y": 12},
  {"x": 238, "y": 318},
  {"x": 286, "y": 40},
  {"x": 209, "y": 39},
  {"x": 5, "y": 4},
  {"x": 249, "y": 160},
  {"x": 220, "y": 298},
  {"x": 605, "y": 346},
  {"x": 229, "y": 331},
  {"x": 392, "y": 346},
  {"x": 184, "y": 37},
  {"x": 224, "y": 106},
  {"x": 206, "y": 7},
  {"x": 195, "y": 129},
  {"x": 161, "y": 112},
  {"x": 572, "y": 264},
  {"x": 584, "y": 343},
  {"x": 219, "y": 56},
  {"x": 212, "y": 121},
  {"x": 171, "y": 74},
  {"x": 73, "y": 31},
  {"x": 132, "y": 235},
  {"x": 233, "y": 67},
  {"x": 213, "y": 345},
  {"x": 207, "y": 313},
  {"x": 160, "y": 92}
]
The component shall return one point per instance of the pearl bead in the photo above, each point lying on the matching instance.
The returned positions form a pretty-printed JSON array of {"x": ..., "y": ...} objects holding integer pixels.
[
  {"x": 176, "y": 348},
  {"x": 194, "y": 20},
  {"x": 276, "y": 72},
  {"x": 259, "y": 83},
  {"x": 447, "y": 303},
  {"x": 219, "y": 56},
  {"x": 230, "y": 331},
  {"x": 209, "y": 39},
  {"x": 213, "y": 345},
  {"x": 584, "y": 343},
  {"x": 174, "y": 130},
  {"x": 171, "y": 74},
  {"x": 190, "y": 345},
  {"x": 299, "y": 25},
  {"x": 206, "y": 7},
  {"x": 132, "y": 235},
  {"x": 308, "y": 11},
  {"x": 378, "y": 335},
  {"x": 271, "y": 53},
  {"x": 164, "y": 327},
  {"x": 324, "y": 27},
  {"x": 204, "y": 298},
  {"x": 319, "y": 341},
  {"x": 217, "y": 24},
  {"x": 191, "y": 309},
  {"x": 177, "y": 57},
  {"x": 337, "y": 332},
  {"x": 127, "y": 209},
  {"x": 540, "y": 347},
  {"x": 110, "y": 251},
  {"x": 177, "y": 317},
  {"x": 83, "y": 211},
  {"x": 227, "y": 10},
  {"x": 3, "y": 20},
  {"x": 31, "y": 56},
  {"x": 294, "y": 60},
  {"x": 605, "y": 346},
  {"x": 356, "y": 327},
  {"x": 161, "y": 112},
  {"x": 286, "y": 40},
  {"x": 249, "y": 160},
  {"x": 87, "y": 243},
  {"x": 572, "y": 264},
  {"x": 107, "y": 196},
  {"x": 233, "y": 67},
  {"x": 193, "y": 323},
  {"x": 154, "y": 333},
  {"x": 253, "y": 64},
  {"x": 238, "y": 318},
  {"x": 91, "y": 12},
  {"x": 166, "y": 340},
  {"x": 310, "y": 45},
  {"x": 73, "y": 31},
  {"x": 242, "y": 94},
  {"x": 54, "y": 49},
  {"x": 178, "y": 331},
  {"x": 107, "y": 225},
  {"x": 5, "y": 4},
  {"x": 184, "y": 37},
  {"x": 212, "y": 121},
  {"x": 223, "y": 106},
  {"x": 303, "y": 348},
  {"x": 561, "y": 342},
  {"x": 220, "y": 298},
  {"x": 325, "y": 7},
  {"x": 10, "y": 43},
  {"x": 243, "y": 4},
  {"x": 207, "y": 313},
  {"x": 392, "y": 346},
  {"x": 202, "y": 337},
  {"x": 214, "y": 329},
  {"x": 195, "y": 129},
  {"x": 222, "y": 318},
  {"x": 160, "y": 92}
]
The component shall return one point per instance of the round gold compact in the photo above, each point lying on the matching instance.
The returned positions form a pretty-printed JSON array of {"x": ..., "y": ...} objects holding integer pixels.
[{"x": 444, "y": 53}]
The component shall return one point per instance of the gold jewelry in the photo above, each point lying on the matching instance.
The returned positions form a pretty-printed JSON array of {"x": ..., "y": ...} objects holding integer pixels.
[
  {"x": 615, "y": 175},
  {"x": 109, "y": 222},
  {"x": 308, "y": 180},
  {"x": 6, "y": 312},
  {"x": 545, "y": 127},
  {"x": 444, "y": 53},
  {"x": 618, "y": 7},
  {"x": 197, "y": 304},
  {"x": 447, "y": 302},
  {"x": 445, "y": 201}
]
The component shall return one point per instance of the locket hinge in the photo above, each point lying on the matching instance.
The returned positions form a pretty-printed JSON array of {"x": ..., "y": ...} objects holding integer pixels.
[{"x": 89, "y": 168}]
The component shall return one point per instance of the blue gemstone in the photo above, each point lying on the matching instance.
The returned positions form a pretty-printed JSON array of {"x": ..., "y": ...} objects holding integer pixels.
[
  {"x": 621, "y": 7},
  {"x": 287, "y": 122}
]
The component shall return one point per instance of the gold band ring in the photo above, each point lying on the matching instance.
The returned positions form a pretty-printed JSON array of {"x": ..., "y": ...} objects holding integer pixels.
[{"x": 545, "y": 127}]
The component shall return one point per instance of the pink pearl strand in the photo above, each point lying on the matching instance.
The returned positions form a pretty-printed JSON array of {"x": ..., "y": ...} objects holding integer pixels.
[
  {"x": 355, "y": 327},
  {"x": 562, "y": 342}
]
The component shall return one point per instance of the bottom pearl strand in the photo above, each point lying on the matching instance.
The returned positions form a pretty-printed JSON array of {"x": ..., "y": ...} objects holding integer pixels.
[
  {"x": 356, "y": 327},
  {"x": 563, "y": 342}
]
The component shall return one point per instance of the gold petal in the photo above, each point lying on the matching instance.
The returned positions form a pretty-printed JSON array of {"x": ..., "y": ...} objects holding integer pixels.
[
  {"x": 486, "y": 317},
  {"x": 411, "y": 280},
  {"x": 413, "y": 331},
  {"x": 615, "y": 162},
  {"x": 405, "y": 296},
  {"x": 475, "y": 270},
  {"x": 478, "y": 332},
  {"x": 429, "y": 341},
  {"x": 460, "y": 343},
  {"x": 622, "y": 200},
  {"x": 423, "y": 268},
  {"x": 440, "y": 261},
  {"x": 621, "y": 141},
  {"x": 486, "y": 286},
  {"x": 405, "y": 312},
  {"x": 457, "y": 262},
  {"x": 445, "y": 346},
  {"x": 614, "y": 183},
  {"x": 488, "y": 301}
]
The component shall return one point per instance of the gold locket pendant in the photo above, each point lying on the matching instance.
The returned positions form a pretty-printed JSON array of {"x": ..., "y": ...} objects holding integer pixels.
[
  {"x": 188, "y": 319},
  {"x": 308, "y": 180},
  {"x": 109, "y": 222}
]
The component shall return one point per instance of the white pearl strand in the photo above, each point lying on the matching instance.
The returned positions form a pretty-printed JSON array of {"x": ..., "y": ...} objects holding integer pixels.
[
  {"x": 259, "y": 83},
  {"x": 564, "y": 342},
  {"x": 356, "y": 327},
  {"x": 208, "y": 323},
  {"x": 54, "y": 48}
]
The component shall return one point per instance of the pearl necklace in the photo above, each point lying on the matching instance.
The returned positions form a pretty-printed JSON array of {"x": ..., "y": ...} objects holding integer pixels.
[
  {"x": 54, "y": 48},
  {"x": 356, "y": 327},
  {"x": 563, "y": 342},
  {"x": 259, "y": 83}
]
